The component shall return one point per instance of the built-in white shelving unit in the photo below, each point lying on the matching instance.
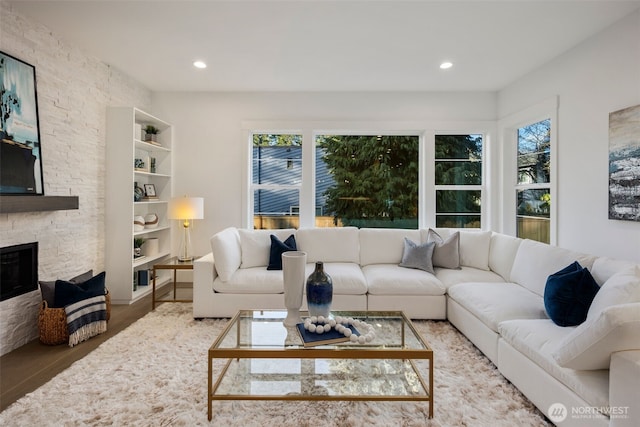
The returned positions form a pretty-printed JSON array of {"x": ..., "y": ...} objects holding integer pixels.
[{"x": 125, "y": 144}]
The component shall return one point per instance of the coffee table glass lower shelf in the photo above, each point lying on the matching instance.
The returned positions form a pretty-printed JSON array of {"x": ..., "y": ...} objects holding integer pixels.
[{"x": 264, "y": 360}]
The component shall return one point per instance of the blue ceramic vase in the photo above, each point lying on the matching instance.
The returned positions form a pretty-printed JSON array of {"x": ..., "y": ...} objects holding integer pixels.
[{"x": 319, "y": 292}]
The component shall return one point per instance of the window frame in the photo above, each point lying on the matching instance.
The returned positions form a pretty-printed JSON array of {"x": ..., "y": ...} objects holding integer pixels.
[
  {"x": 508, "y": 131},
  {"x": 461, "y": 187},
  {"x": 425, "y": 131}
]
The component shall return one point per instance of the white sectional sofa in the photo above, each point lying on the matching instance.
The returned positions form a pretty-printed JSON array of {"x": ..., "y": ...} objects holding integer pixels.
[{"x": 495, "y": 298}]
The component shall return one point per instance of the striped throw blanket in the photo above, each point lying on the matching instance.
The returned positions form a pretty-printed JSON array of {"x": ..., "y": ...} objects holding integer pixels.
[{"x": 86, "y": 319}]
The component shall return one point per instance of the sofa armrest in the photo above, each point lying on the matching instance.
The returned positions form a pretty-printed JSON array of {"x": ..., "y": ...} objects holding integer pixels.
[
  {"x": 204, "y": 273},
  {"x": 624, "y": 392}
]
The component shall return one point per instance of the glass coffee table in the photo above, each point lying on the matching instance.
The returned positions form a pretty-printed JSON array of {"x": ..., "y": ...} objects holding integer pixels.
[{"x": 264, "y": 360}]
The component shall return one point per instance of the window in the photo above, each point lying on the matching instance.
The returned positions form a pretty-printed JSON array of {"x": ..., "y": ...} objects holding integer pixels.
[
  {"x": 393, "y": 175},
  {"x": 458, "y": 180},
  {"x": 367, "y": 180},
  {"x": 276, "y": 177},
  {"x": 533, "y": 189}
]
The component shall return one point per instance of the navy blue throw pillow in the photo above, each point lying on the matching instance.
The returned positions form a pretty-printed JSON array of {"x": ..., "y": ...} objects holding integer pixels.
[
  {"x": 568, "y": 295},
  {"x": 68, "y": 293},
  {"x": 277, "y": 248}
]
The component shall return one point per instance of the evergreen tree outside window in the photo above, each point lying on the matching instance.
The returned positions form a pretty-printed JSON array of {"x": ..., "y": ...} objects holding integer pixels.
[
  {"x": 533, "y": 189},
  {"x": 458, "y": 180},
  {"x": 368, "y": 180}
]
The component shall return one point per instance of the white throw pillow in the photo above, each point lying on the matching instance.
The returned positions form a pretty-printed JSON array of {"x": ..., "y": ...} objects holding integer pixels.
[
  {"x": 255, "y": 245},
  {"x": 474, "y": 249},
  {"x": 589, "y": 347},
  {"x": 226, "y": 252}
]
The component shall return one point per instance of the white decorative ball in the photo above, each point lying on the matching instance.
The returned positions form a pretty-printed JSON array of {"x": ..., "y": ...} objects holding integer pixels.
[
  {"x": 313, "y": 319},
  {"x": 368, "y": 338},
  {"x": 320, "y": 319},
  {"x": 312, "y": 327},
  {"x": 347, "y": 332},
  {"x": 361, "y": 339},
  {"x": 338, "y": 319},
  {"x": 327, "y": 327},
  {"x": 353, "y": 338},
  {"x": 319, "y": 329}
]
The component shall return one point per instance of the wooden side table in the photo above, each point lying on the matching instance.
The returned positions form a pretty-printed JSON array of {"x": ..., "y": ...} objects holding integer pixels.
[{"x": 170, "y": 264}]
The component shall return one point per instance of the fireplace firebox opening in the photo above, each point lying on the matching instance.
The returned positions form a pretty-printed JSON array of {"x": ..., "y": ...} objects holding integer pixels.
[{"x": 18, "y": 270}]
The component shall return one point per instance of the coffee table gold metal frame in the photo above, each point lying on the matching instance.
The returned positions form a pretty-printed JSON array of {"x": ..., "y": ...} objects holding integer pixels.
[{"x": 408, "y": 346}]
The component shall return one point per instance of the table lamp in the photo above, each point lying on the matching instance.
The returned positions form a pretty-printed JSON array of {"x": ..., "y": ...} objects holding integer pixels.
[{"x": 186, "y": 209}]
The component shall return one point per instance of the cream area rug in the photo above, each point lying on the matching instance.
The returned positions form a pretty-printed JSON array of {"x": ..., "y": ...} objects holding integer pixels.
[{"x": 154, "y": 373}]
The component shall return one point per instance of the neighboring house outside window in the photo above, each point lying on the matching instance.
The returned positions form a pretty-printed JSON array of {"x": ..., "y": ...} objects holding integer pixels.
[
  {"x": 276, "y": 179},
  {"x": 533, "y": 190}
]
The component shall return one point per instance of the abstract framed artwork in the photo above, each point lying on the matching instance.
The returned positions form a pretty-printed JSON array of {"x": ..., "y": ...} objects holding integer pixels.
[
  {"x": 20, "y": 149},
  {"x": 624, "y": 164}
]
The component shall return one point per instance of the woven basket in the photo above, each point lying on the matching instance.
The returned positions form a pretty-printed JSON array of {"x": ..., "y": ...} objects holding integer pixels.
[{"x": 52, "y": 323}]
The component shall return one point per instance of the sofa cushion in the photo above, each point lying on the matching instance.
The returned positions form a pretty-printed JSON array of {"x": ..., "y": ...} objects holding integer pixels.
[
  {"x": 227, "y": 255},
  {"x": 278, "y": 247},
  {"x": 474, "y": 249},
  {"x": 568, "y": 295},
  {"x": 389, "y": 279},
  {"x": 493, "y": 303},
  {"x": 538, "y": 339},
  {"x": 384, "y": 245},
  {"x": 502, "y": 252},
  {"x": 589, "y": 346},
  {"x": 347, "y": 277},
  {"x": 603, "y": 268},
  {"x": 253, "y": 280},
  {"x": 340, "y": 244},
  {"x": 621, "y": 288},
  {"x": 255, "y": 245},
  {"x": 417, "y": 255},
  {"x": 536, "y": 261},
  {"x": 446, "y": 253},
  {"x": 450, "y": 277}
]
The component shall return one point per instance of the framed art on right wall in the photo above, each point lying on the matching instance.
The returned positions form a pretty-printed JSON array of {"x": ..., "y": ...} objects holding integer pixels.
[{"x": 624, "y": 164}]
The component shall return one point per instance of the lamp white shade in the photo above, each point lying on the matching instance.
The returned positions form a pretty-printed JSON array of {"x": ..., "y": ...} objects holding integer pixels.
[{"x": 186, "y": 208}]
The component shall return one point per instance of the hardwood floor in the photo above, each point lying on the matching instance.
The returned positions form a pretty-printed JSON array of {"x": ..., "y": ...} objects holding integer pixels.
[{"x": 28, "y": 367}]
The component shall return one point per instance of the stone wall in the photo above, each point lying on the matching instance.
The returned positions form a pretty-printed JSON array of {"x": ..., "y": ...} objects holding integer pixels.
[{"x": 74, "y": 90}]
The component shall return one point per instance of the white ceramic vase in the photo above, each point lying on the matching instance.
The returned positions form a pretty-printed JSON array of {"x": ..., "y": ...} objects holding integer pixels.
[{"x": 293, "y": 264}]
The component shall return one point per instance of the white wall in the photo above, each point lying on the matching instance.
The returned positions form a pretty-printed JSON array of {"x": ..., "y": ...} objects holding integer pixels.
[
  {"x": 209, "y": 153},
  {"x": 73, "y": 92},
  {"x": 599, "y": 76}
]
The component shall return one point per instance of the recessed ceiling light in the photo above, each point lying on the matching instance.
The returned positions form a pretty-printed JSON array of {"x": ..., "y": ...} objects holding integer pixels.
[
  {"x": 446, "y": 65},
  {"x": 200, "y": 64}
]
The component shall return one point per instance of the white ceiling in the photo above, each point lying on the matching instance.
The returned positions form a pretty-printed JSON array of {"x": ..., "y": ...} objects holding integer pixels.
[{"x": 322, "y": 45}]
